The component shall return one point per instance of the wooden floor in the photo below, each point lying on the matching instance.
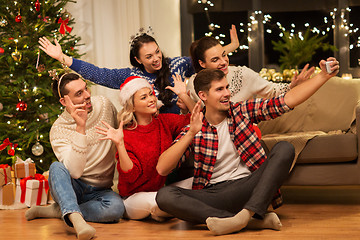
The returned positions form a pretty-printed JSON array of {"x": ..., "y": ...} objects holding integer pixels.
[{"x": 309, "y": 213}]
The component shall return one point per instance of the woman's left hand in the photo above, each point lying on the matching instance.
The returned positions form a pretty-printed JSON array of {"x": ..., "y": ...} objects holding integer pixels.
[
  {"x": 179, "y": 85},
  {"x": 115, "y": 135}
]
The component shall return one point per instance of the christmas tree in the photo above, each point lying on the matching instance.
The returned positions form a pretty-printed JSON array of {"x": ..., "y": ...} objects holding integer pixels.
[{"x": 27, "y": 106}]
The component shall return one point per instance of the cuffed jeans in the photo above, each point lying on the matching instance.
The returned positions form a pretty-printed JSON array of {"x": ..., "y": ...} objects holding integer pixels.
[
  {"x": 225, "y": 199},
  {"x": 73, "y": 195}
]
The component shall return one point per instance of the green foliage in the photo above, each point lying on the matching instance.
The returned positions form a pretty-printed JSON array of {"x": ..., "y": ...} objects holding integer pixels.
[
  {"x": 20, "y": 80},
  {"x": 296, "y": 51}
]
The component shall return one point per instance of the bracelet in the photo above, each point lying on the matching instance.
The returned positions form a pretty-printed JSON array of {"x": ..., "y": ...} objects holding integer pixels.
[{"x": 64, "y": 66}]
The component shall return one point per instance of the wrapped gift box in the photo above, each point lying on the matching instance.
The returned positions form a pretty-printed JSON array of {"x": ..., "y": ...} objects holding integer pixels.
[
  {"x": 32, "y": 190},
  {"x": 5, "y": 174},
  {"x": 24, "y": 169},
  {"x": 36, "y": 193},
  {"x": 7, "y": 194}
]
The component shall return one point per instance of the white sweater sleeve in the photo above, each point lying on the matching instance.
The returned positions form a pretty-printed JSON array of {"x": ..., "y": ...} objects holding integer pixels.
[{"x": 246, "y": 84}]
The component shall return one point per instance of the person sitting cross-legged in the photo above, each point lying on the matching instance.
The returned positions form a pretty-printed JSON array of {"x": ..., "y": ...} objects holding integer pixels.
[{"x": 234, "y": 181}]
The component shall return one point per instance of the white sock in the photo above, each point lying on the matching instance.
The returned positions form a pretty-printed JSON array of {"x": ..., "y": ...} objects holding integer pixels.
[
  {"x": 83, "y": 230},
  {"x": 51, "y": 211},
  {"x": 220, "y": 226},
  {"x": 270, "y": 221}
]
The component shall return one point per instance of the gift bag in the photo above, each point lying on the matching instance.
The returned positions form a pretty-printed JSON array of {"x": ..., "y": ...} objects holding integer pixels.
[{"x": 7, "y": 194}]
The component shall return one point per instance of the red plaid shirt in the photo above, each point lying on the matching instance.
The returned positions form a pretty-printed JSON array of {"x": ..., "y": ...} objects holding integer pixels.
[{"x": 241, "y": 117}]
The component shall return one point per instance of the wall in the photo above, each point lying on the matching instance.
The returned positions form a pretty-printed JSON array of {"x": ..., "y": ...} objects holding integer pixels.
[{"x": 105, "y": 27}]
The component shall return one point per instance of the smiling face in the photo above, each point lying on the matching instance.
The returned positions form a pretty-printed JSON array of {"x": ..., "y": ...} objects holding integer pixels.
[
  {"x": 78, "y": 93},
  {"x": 217, "y": 98},
  {"x": 144, "y": 103},
  {"x": 150, "y": 56},
  {"x": 215, "y": 58}
]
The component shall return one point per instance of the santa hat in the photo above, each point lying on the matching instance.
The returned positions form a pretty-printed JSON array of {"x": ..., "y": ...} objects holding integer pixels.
[{"x": 131, "y": 85}]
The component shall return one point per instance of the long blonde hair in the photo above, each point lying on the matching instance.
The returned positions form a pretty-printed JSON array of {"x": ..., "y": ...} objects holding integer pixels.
[{"x": 127, "y": 115}]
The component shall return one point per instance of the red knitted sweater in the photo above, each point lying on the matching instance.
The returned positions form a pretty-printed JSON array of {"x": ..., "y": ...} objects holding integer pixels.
[{"x": 144, "y": 145}]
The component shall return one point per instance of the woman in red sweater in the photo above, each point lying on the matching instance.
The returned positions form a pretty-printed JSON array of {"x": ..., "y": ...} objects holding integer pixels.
[{"x": 142, "y": 136}]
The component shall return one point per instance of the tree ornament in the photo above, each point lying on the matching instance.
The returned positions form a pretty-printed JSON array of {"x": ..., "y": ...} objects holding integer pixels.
[
  {"x": 37, "y": 6},
  {"x": 37, "y": 149},
  {"x": 1, "y": 106},
  {"x": 63, "y": 26},
  {"x": 18, "y": 19},
  {"x": 1, "y": 51},
  {"x": 3, "y": 22},
  {"x": 16, "y": 55},
  {"x": 65, "y": 14},
  {"x": 21, "y": 106},
  {"x": 41, "y": 68}
]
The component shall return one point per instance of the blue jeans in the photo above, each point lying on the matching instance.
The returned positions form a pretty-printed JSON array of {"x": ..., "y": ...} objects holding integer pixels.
[{"x": 73, "y": 195}]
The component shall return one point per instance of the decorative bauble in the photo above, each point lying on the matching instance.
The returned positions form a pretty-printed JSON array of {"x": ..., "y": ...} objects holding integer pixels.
[
  {"x": 16, "y": 55},
  {"x": 287, "y": 74},
  {"x": 266, "y": 76},
  {"x": 3, "y": 22},
  {"x": 1, "y": 106},
  {"x": 1, "y": 51},
  {"x": 37, "y": 5},
  {"x": 271, "y": 71},
  {"x": 37, "y": 149},
  {"x": 18, "y": 18},
  {"x": 294, "y": 71},
  {"x": 21, "y": 106},
  {"x": 277, "y": 77},
  {"x": 65, "y": 14},
  {"x": 263, "y": 70}
]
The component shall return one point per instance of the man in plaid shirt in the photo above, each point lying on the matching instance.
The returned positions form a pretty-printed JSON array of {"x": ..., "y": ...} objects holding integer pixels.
[{"x": 234, "y": 180}]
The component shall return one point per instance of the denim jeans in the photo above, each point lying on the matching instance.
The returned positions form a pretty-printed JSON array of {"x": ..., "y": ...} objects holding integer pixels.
[
  {"x": 73, "y": 195},
  {"x": 227, "y": 198}
]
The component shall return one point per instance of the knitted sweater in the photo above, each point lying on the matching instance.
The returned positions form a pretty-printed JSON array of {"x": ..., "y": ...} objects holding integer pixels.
[
  {"x": 86, "y": 156},
  {"x": 245, "y": 84},
  {"x": 144, "y": 145},
  {"x": 113, "y": 78}
]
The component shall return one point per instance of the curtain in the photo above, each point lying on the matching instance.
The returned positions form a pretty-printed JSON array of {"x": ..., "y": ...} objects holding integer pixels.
[{"x": 106, "y": 26}]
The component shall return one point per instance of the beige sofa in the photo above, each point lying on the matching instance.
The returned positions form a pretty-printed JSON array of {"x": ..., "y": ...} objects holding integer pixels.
[{"x": 323, "y": 131}]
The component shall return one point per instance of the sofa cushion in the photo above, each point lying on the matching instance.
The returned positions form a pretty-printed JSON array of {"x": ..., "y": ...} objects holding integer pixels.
[
  {"x": 330, "y": 108},
  {"x": 330, "y": 148}
]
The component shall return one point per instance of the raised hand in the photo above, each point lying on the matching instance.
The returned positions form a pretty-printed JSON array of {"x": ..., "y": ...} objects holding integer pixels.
[
  {"x": 334, "y": 66},
  {"x": 304, "y": 75},
  {"x": 234, "y": 44},
  {"x": 50, "y": 49},
  {"x": 179, "y": 85},
  {"x": 196, "y": 119},
  {"x": 77, "y": 111},
  {"x": 115, "y": 135},
  {"x": 234, "y": 37}
]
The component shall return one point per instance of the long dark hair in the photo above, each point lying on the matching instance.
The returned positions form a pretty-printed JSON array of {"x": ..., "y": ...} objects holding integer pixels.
[
  {"x": 198, "y": 48},
  {"x": 162, "y": 79}
]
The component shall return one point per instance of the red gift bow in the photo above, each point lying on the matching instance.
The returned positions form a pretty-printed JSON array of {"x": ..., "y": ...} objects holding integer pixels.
[
  {"x": 64, "y": 27},
  {"x": 4, "y": 167},
  {"x": 41, "y": 179},
  {"x": 6, "y": 143}
]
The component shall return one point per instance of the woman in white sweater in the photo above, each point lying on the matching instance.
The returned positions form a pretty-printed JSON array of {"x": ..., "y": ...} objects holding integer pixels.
[{"x": 244, "y": 83}]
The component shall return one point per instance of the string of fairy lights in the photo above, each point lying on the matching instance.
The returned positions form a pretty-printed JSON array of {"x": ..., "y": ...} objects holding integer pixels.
[{"x": 350, "y": 28}]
